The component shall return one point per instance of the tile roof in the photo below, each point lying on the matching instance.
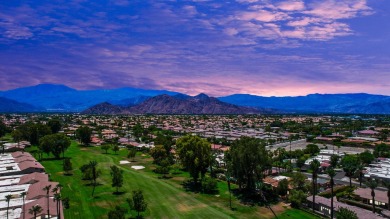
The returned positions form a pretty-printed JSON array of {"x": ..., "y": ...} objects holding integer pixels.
[
  {"x": 34, "y": 178},
  {"x": 36, "y": 190},
  {"x": 30, "y": 164},
  {"x": 43, "y": 203},
  {"x": 362, "y": 213},
  {"x": 366, "y": 193}
]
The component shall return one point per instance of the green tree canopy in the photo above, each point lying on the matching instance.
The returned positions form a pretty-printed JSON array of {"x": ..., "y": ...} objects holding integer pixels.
[
  {"x": 382, "y": 150},
  {"x": 32, "y": 132},
  {"x": 55, "y": 125},
  {"x": 312, "y": 149},
  {"x": 282, "y": 187},
  {"x": 159, "y": 154},
  {"x": 137, "y": 202},
  {"x": 55, "y": 144},
  {"x": 297, "y": 197},
  {"x": 84, "y": 135},
  {"x": 195, "y": 154},
  {"x": 366, "y": 157},
  {"x": 117, "y": 213},
  {"x": 67, "y": 166},
  {"x": 3, "y": 129},
  {"x": 115, "y": 148},
  {"x": 350, "y": 164},
  {"x": 117, "y": 177},
  {"x": 247, "y": 159}
]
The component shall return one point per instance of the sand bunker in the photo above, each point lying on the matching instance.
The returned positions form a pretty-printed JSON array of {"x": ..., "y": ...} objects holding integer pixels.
[
  {"x": 138, "y": 167},
  {"x": 124, "y": 162}
]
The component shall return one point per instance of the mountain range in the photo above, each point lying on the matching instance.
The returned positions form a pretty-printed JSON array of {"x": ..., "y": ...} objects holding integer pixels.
[
  {"x": 60, "y": 98},
  {"x": 178, "y": 104},
  {"x": 10, "y": 106}
]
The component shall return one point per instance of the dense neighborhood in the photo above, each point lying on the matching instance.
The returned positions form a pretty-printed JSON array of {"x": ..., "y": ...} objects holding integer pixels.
[{"x": 323, "y": 166}]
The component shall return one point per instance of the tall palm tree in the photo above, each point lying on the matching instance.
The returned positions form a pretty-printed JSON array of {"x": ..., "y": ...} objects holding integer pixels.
[
  {"x": 314, "y": 166},
  {"x": 331, "y": 174},
  {"x": 359, "y": 170},
  {"x": 36, "y": 209},
  {"x": 386, "y": 183},
  {"x": 23, "y": 194},
  {"x": 372, "y": 184},
  {"x": 57, "y": 199},
  {"x": 7, "y": 199},
  {"x": 47, "y": 189}
]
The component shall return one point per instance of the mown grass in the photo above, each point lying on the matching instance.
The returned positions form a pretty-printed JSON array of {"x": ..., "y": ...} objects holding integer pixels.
[
  {"x": 296, "y": 213},
  {"x": 166, "y": 197}
]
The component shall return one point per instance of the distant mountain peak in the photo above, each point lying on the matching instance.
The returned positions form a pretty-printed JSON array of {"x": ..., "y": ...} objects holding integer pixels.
[
  {"x": 57, "y": 86},
  {"x": 182, "y": 96},
  {"x": 201, "y": 96}
]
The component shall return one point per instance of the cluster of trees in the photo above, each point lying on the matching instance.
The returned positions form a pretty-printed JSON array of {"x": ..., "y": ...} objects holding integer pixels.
[
  {"x": 3, "y": 129},
  {"x": 247, "y": 160},
  {"x": 83, "y": 134},
  {"x": 382, "y": 150},
  {"x": 195, "y": 155},
  {"x": 136, "y": 202},
  {"x": 31, "y": 132},
  {"x": 55, "y": 144},
  {"x": 91, "y": 172},
  {"x": 353, "y": 165}
]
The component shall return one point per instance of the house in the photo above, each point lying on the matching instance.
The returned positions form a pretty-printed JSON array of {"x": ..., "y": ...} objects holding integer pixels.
[
  {"x": 323, "y": 205},
  {"x": 380, "y": 197}
]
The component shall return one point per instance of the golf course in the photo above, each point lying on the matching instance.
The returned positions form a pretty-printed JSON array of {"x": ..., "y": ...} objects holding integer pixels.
[{"x": 166, "y": 198}]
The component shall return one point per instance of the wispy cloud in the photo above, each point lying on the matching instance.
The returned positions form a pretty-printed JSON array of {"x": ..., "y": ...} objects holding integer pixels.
[{"x": 267, "y": 47}]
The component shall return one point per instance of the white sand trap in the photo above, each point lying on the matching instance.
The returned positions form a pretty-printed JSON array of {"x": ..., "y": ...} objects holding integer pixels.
[
  {"x": 124, "y": 162},
  {"x": 138, "y": 167}
]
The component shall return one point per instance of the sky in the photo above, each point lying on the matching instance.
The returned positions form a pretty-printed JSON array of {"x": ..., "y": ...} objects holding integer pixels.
[{"x": 260, "y": 47}]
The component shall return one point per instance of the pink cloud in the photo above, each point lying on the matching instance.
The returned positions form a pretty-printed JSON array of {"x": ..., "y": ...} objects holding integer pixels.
[
  {"x": 291, "y": 5},
  {"x": 262, "y": 15}
]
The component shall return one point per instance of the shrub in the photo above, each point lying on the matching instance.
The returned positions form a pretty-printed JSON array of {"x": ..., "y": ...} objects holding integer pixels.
[
  {"x": 336, "y": 190},
  {"x": 297, "y": 197},
  {"x": 209, "y": 185},
  {"x": 161, "y": 170}
]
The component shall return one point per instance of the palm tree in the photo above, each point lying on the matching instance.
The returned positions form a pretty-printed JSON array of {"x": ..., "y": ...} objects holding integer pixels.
[
  {"x": 372, "y": 183},
  {"x": 360, "y": 169},
  {"x": 314, "y": 166},
  {"x": 36, "y": 209},
  {"x": 331, "y": 174},
  {"x": 57, "y": 199},
  {"x": 23, "y": 194},
  {"x": 349, "y": 171},
  {"x": 7, "y": 199},
  {"x": 386, "y": 183},
  {"x": 47, "y": 189},
  {"x": 93, "y": 165}
]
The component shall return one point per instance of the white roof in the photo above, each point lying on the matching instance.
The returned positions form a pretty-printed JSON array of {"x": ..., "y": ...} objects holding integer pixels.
[{"x": 12, "y": 213}]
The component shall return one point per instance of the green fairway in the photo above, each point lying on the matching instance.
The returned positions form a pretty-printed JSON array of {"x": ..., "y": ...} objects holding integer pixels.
[
  {"x": 166, "y": 197},
  {"x": 295, "y": 213}
]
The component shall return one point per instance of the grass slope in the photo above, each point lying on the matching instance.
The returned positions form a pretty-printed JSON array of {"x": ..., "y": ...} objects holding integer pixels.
[{"x": 166, "y": 197}]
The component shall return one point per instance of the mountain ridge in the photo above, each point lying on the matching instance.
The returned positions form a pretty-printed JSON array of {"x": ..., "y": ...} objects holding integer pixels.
[
  {"x": 165, "y": 104},
  {"x": 61, "y": 98}
]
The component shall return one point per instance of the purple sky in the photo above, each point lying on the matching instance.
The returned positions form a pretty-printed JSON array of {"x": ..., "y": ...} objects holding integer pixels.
[{"x": 262, "y": 47}]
